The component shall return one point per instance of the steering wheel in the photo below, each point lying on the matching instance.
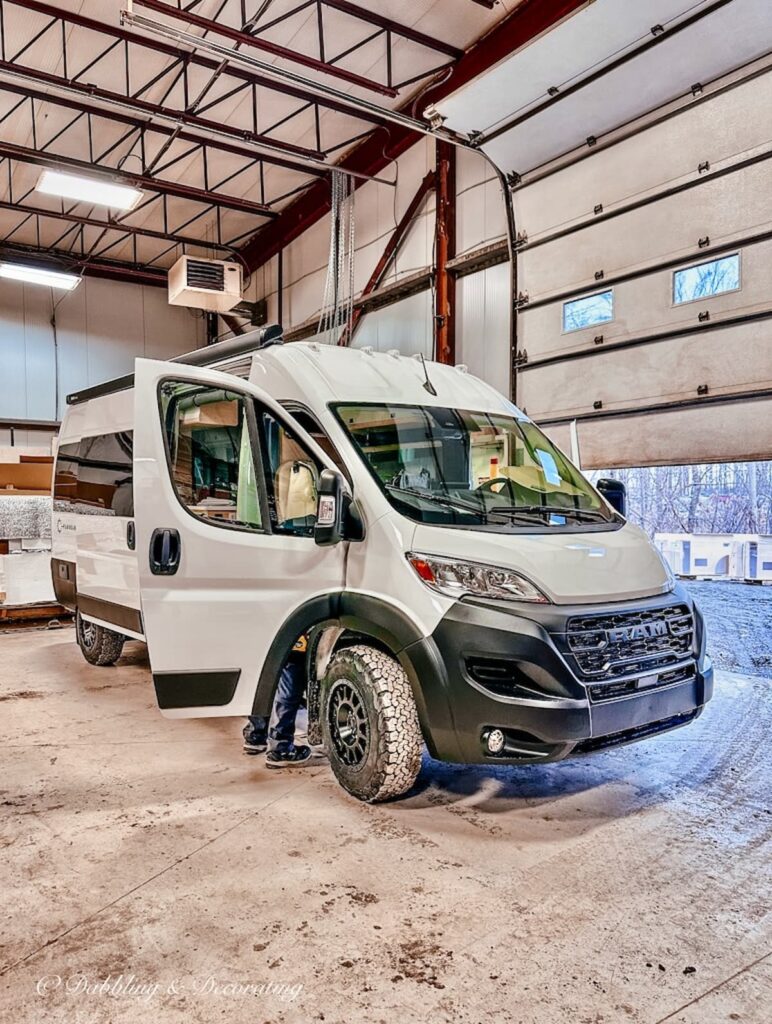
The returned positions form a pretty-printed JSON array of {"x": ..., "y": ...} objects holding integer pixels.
[{"x": 497, "y": 485}]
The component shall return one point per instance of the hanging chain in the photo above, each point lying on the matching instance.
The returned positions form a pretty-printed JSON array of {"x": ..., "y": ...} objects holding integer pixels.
[{"x": 338, "y": 301}]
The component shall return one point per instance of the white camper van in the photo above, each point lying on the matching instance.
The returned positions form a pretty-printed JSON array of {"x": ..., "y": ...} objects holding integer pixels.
[{"x": 464, "y": 584}]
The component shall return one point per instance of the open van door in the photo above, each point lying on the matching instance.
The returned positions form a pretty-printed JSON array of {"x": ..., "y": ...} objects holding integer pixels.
[{"x": 225, "y": 507}]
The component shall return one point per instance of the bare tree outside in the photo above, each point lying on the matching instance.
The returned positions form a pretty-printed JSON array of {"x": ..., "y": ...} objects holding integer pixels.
[
  {"x": 714, "y": 498},
  {"x": 706, "y": 279}
]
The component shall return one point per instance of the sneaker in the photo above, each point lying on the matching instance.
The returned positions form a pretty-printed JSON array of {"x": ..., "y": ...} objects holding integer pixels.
[
  {"x": 292, "y": 757},
  {"x": 254, "y": 742}
]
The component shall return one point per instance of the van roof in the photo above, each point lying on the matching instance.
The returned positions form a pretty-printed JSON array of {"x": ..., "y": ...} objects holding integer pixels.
[
  {"x": 329, "y": 373},
  {"x": 335, "y": 374}
]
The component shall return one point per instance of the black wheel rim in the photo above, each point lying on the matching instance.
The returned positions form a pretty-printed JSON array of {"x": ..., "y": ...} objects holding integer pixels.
[
  {"x": 88, "y": 634},
  {"x": 349, "y": 728}
]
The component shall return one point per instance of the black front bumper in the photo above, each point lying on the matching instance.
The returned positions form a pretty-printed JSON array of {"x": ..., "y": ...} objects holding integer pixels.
[{"x": 510, "y": 667}]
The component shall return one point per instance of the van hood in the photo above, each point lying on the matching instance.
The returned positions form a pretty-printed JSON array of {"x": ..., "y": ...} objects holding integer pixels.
[{"x": 570, "y": 568}]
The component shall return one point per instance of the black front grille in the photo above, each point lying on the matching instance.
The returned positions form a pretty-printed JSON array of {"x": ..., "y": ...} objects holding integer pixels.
[
  {"x": 630, "y": 643},
  {"x": 628, "y": 687},
  {"x": 203, "y": 274}
]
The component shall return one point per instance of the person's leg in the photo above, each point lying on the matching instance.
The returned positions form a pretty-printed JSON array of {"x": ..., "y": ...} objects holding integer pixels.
[
  {"x": 289, "y": 697},
  {"x": 256, "y": 735}
]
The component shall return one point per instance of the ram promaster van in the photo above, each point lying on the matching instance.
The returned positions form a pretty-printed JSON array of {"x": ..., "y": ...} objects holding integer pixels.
[{"x": 462, "y": 583}]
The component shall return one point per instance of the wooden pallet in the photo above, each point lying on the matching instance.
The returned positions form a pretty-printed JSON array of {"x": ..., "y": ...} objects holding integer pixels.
[{"x": 32, "y": 612}]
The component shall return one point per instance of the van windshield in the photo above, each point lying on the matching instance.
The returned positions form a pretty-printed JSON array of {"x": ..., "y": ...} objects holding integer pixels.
[{"x": 456, "y": 467}]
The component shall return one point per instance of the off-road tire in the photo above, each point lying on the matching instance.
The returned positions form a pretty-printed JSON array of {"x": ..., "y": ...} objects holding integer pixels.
[
  {"x": 99, "y": 646},
  {"x": 387, "y": 759}
]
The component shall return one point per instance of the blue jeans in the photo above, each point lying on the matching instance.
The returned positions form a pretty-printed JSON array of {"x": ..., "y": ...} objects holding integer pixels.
[{"x": 289, "y": 697}]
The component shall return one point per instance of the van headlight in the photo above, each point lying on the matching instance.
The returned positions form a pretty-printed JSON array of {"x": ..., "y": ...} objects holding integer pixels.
[{"x": 455, "y": 579}]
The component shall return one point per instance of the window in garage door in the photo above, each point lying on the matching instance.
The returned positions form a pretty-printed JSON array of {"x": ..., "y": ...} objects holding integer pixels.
[
  {"x": 702, "y": 280},
  {"x": 588, "y": 311}
]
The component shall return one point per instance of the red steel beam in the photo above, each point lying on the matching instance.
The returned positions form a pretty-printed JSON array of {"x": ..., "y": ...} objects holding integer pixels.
[
  {"x": 256, "y": 42},
  {"x": 445, "y": 249},
  {"x": 44, "y": 78},
  {"x": 146, "y": 107},
  {"x": 141, "y": 181},
  {"x": 176, "y": 53},
  {"x": 529, "y": 19},
  {"x": 390, "y": 251},
  {"x": 112, "y": 225},
  {"x": 389, "y": 25},
  {"x": 57, "y": 259}
]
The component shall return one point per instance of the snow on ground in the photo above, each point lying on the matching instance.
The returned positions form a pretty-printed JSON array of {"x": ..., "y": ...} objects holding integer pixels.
[{"x": 739, "y": 621}]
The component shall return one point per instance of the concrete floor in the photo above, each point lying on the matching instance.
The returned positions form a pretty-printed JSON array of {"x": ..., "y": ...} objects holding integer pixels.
[{"x": 629, "y": 886}]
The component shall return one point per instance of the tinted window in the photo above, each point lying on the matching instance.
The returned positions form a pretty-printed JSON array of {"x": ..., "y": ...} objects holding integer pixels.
[{"x": 95, "y": 476}]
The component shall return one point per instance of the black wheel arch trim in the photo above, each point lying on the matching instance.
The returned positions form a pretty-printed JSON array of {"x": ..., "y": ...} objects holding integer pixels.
[
  {"x": 319, "y": 611},
  {"x": 367, "y": 615}
]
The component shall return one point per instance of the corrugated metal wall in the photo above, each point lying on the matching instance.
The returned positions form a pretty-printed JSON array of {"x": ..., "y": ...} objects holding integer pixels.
[
  {"x": 482, "y": 325},
  {"x": 102, "y": 327}
]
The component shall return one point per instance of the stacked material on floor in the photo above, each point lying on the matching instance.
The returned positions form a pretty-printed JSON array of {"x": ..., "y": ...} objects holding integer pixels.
[
  {"x": 735, "y": 556},
  {"x": 25, "y": 530}
]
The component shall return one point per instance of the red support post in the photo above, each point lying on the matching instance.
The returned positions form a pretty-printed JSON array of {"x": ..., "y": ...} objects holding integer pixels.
[{"x": 445, "y": 249}]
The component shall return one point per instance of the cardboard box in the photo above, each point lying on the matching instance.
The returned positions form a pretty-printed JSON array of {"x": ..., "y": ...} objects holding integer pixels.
[{"x": 26, "y": 476}]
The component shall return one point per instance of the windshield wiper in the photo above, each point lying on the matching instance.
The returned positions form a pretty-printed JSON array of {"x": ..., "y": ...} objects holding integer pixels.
[
  {"x": 441, "y": 499},
  {"x": 575, "y": 513}
]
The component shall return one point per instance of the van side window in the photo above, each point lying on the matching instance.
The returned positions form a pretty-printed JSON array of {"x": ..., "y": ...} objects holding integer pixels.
[
  {"x": 66, "y": 477},
  {"x": 311, "y": 426},
  {"x": 94, "y": 476},
  {"x": 291, "y": 476},
  {"x": 210, "y": 454}
]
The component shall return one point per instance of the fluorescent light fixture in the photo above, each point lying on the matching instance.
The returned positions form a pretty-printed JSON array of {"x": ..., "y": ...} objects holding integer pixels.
[
  {"x": 36, "y": 275},
  {"x": 88, "y": 190}
]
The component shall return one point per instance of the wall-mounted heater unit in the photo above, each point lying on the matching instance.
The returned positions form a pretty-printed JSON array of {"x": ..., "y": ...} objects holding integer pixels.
[{"x": 214, "y": 285}]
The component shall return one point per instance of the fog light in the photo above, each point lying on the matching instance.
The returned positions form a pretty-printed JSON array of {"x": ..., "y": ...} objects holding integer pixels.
[{"x": 495, "y": 741}]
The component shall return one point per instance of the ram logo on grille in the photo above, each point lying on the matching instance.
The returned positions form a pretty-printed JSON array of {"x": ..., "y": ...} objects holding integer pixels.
[{"x": 641, "y": 631}]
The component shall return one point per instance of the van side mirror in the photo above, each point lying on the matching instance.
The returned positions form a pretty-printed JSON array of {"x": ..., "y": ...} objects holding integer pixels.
[
  {"x": 330, "y": 512},
  {"x": 615, "y": 493}
]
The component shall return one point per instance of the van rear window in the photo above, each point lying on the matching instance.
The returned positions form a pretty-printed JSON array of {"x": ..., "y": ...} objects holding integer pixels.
[{"x": 94, "y": 476}]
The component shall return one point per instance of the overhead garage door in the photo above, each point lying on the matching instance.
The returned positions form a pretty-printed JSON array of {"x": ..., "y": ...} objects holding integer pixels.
[{"x": 644, "y": 268}]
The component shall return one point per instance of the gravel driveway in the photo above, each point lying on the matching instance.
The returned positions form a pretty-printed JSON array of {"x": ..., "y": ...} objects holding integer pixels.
[{"x": 739, "y": 620}]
